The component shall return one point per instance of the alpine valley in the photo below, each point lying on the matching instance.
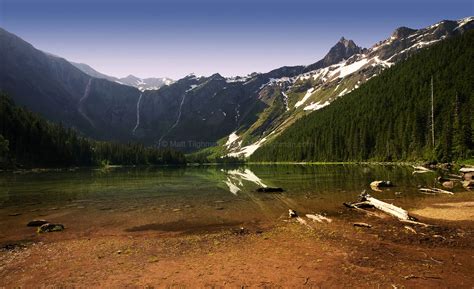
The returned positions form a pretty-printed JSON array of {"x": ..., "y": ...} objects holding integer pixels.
[{"x": 232, "y": 116}]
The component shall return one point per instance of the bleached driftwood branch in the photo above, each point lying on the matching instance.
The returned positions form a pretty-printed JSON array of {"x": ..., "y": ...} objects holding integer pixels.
[{"x": 436, "y": 190}]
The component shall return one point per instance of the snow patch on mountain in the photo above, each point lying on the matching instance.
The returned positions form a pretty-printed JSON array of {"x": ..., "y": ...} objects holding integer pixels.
[
  {"x": 317, "y": 105},
  {"x": 309, "y": 92},
  {"x": 231, "y": 139},
  {"x": 285, "y": 99},
  {"x": 247, "y": 151},
  {"x": 191, "y": 87}
]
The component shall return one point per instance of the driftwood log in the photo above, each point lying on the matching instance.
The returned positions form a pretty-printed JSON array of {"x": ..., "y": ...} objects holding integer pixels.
[
  {"x": 387, "y": 208},
  {"x": 435, "y": 190}
]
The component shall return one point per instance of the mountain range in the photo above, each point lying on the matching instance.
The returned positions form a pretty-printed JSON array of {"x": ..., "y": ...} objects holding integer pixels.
[
  {"x": 150, "y": 83},
  {"x": 420, "y": 108},
  {"x": 234, "y": 116}
]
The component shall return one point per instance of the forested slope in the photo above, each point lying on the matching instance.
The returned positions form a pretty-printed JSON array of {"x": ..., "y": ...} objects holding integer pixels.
[
  {"x": 27, "y": 140},
  {"x": 388, "y": 118}
]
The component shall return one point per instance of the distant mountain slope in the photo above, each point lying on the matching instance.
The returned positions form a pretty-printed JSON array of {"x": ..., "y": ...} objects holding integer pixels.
[
  {"x": 388, "y": 118},
  {"x": 53, "y": 87},
  {"x": 92, "y": 72},
  {"x": 151, "y": 83}
]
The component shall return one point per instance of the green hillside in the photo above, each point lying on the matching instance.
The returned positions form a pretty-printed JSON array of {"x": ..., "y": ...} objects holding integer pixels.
[
  {"x": 27, "y": 140},
  {"x": 389, "y": 117}
]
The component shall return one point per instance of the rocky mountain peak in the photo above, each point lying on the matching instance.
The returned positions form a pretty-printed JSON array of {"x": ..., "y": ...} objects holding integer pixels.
[
  {"x": 402, "y": 32},
  {"x": 346, "y": 42},
  {"x": 343, "y": 49}
]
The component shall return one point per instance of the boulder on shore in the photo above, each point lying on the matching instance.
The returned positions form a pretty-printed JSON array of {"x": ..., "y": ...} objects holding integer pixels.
[{"x": 48, "y": 227}]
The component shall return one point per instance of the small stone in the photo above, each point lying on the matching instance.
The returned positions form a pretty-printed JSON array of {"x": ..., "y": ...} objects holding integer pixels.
[
  {"x": 14, "y": 214},
  {"x": 241, "y": 231},
  {"x": 219, "y": 208},
  {"x": 292, "y": 213}
]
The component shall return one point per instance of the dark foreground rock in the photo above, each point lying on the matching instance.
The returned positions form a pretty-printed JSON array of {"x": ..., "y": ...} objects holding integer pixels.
[
  {"x": 46, "y": 228},
  {"x": 270, "y": 190}
]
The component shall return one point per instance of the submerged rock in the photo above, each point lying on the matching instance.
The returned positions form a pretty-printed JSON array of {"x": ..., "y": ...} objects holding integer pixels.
[
  {"x": 36, "y": 223},
  {"x": 270, "y": 190},
  {"x": 48, "y": 227}
]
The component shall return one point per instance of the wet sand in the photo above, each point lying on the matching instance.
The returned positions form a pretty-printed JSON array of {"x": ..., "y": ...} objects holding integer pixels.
[{"x": 282, "y": 253}]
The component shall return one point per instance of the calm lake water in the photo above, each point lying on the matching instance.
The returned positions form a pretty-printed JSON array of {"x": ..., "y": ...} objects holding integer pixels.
[{"x": 176, "y": 200}]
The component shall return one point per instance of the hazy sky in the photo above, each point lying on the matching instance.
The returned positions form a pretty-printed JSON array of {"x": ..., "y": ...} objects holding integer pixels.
[{"x": 175, "y": 38}]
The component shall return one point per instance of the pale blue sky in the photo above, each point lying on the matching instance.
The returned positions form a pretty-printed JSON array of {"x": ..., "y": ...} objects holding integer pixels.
[{"x": 174, "y": 38}]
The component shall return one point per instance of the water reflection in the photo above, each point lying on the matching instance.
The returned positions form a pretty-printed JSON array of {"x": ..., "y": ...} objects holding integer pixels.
[
  {"x": 236, "y": 177},
  {"x": 145, "y": 186},
  {"x": 136, "y": 199}
]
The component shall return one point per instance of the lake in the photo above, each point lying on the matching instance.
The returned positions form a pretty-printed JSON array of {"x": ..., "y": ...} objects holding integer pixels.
[{"x": 173, "y": 200}]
